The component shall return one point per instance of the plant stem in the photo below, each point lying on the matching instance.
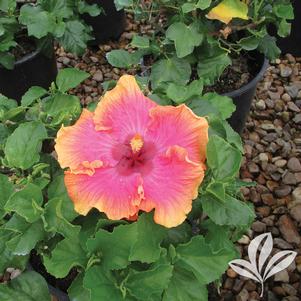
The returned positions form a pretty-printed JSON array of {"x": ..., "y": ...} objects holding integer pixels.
[{"x": 262, "y": 289}]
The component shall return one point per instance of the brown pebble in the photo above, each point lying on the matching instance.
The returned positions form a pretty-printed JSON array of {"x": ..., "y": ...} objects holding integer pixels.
[
  {"x": 231, "y": 273},
  {"x": 289, "y": 230}
]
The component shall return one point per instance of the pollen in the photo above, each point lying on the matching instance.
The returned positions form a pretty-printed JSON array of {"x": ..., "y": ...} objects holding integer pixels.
[{"x": 136, "y": 143}]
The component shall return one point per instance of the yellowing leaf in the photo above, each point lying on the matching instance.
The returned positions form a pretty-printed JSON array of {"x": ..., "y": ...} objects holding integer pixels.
[{"x": 229, "y": 9}]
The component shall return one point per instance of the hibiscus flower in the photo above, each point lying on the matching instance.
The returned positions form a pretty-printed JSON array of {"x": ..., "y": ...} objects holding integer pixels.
[{"x": 132, "y": 154}]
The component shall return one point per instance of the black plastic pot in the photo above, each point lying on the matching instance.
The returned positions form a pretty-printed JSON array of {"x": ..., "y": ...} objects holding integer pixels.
[
  {"x": 243, "y": 97},
  {"x": 57, "y": 287},
  {"x": 34, "y": 69},
  {"x": 61, "y": 296},
  {"x": 108, "y": 25},
  {"x": 292, "y": 44}
]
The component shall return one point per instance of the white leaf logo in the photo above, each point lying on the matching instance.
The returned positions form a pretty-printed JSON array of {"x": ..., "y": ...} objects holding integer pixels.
[{"x": 253, "y": 269}]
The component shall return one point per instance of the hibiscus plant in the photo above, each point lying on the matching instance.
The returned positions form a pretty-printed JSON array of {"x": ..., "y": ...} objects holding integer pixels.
[
  {"x": 42, "y": 21},
  {"x": 146, "y": 207},
  {"x": 195, "y": 41}
]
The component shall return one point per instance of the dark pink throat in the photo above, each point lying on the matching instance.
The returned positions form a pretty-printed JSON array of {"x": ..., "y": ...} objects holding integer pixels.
[{"x": 130, "y": 161}]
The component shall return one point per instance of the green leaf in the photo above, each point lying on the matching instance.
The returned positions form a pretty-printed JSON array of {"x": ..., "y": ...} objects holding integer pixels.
[
  {"x": 123, "y": 238},
  {"x": 4, "y": 133},
  {"x": 230, "y": 212},
  {"x": 11, "y": 114},
  {"x": 69, "y": 78},
  {"x": 39, "y": 22},
  {"x": 108, "y": 224},
  {"x": 284, "y": 11},
  {"x": 180, "y": 94},
  {"x": 27, "y": 236},
  {"x": 161, "y": 100},
  {"x": 203, "y": 108},
  {"x": 62, "y": 108},
  {"x": 170, "y": 70},
  {"x": 7, "y": 5},
  {"x": 42, "y": 181},
  {"x": 284, "y": 28},
  {"x": 224, "y": 104},
  {"x": 223, "y": 159},
  {"x": 203, "y": 4},
  {"x": 92, "y": 9},
  {"x": 143, "y": 82},
  {"x": 7, "y": 40},
  {"x": 7, "y": 104},
  {"x": 26, "y": 202},
  {"x": 92, "y": 106},
  {"x": 101, "y": 284},
  {"x": 55, "y": 221},
  {"x": 177, "y": 235},
  {"x": 59, "y": 29},
  {"x": 109, "y": 85},
  {"x": 188, "y": 7},
  {"x": 67, "y": 254},
  {"x": 200, "y": 4},
  {"x": 120, "y": 4},
  {"x": 210, "y": 69},
  {"x": 150, "y": 235},
  {"x": 185, "y": 37},
  {"x": 57, "y": 189},
  {"x": 185, "y": 286},
  {"x": 149, "y": 284},
  {"x": 198, "y": 257},
  {"x": 6, "y": 190},
  {"x": 140, "y": 42},
  {"x": 8, "y": 108},
  {"x": 222, "y": 128},
  {"x": 75, "y": 37},
  {"x": 77, "y": 291},
  {"x": 60, "y": 8},
  {"x": 8, "y": 28},
  {"x": 249, "y": 43},
  {"x": 24, "y": 144},
  {"x": 212, "y": 104},
  {"x": 269, "y": 47},
  {"x": 217, "y": 236},
  {"x": 29, "y": 286},
  {"x": 7, "y": 258},
  {"x": 217, "y": 189},
  {"x": 121, "y": 58},
  {"x": 7, "y": 60},
  {"x": 31, "y": 95}
]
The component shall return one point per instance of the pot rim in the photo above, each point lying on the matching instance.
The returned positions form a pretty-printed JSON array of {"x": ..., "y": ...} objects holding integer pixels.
[
  {"x": 26, "y": 58},
  {"x": 252, "y": 83}
]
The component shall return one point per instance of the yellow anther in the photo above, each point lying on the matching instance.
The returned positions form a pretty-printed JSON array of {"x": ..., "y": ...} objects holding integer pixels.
[{"x": 136, "y": 143}]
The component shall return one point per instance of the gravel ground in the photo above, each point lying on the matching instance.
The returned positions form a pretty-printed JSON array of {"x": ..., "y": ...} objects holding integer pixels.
[
  {"x": 94, "y": 61},
  {"x": 272, "y": 143}
]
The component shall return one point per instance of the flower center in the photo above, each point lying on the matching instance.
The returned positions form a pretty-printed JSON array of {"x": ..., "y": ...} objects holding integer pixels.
[
  {"x": 134, "y": 155},
  {"x": 136, "y": 143}
]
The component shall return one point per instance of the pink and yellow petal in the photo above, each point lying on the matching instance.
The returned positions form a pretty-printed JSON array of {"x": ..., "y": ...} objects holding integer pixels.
[
  {"x": 124, "y": 110},
  {"x": 81, "y": 148},
  {"x": 179, "y": 126},
  {"x": 118, "y": 197},
  {"x": 171, "y": 187}
]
